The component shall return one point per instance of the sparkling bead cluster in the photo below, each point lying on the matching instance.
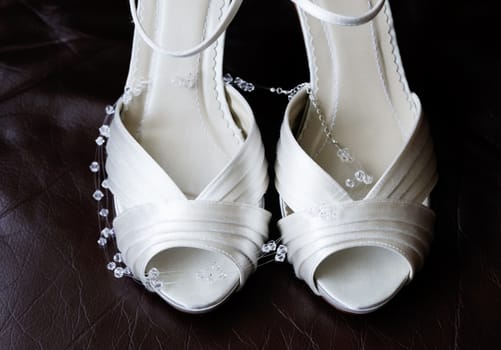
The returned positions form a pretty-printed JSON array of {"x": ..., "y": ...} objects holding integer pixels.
[
  {"x": 189, "y": 82},
  {"x": 324, "y": 212},
  {"x": 101, "y": 195},
  {"x": 131, "y": 92},
  {"x": 279, "y": 250},
  {"x": 360, "y": 176},
  {"x": 213, "y": 274},
  {"x": 239, "y": 82},
  {"x": 152, "y": 282}
]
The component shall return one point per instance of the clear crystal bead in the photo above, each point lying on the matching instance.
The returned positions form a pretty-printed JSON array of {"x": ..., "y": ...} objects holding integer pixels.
[
  {"x": 244, "y": 85},
  {"x": 269, "y": 247},
  {"x": 102, "y": 241},
  {"x": 227, "y": 78},
  {"x": 153, "y": 274},
  {"x": 282, "y": 249},
  {"x": 94, "y": 167},
  {"x": 345, "y": 155},
  {"x": 98, "y": 195},
  {"x": 360, "y": 175},
  {"x": 117, "y": 257},
  {"x": 100, "y": 141},
  {"x": 127, "y": 271},
  {"x": 119, "y": 272},
  {"x": 127, "y": 96},
  {"x": 104, "y": 131},
  {"x": 368, "y": 180},
  {"x": 280, "y": 258},
  {"x": 111, "y": 266},
  {"x": 350, "y": 183},
  {"x": 104, "y": 212},
  {"x": 363, "y": 177},
  {"x": 156, "y": 285},
  {"x": 137, "y": 90},
  {"x": 326, "y": 212},
  {"x": 110, "y": 110},
  {"x": 105, "y": 184},
  {"x": 281, "y": 253},
  {"x": 105, "y": 232}
]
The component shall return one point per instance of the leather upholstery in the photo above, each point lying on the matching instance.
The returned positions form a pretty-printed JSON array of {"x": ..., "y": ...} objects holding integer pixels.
[{"x": 62, "y": 61}]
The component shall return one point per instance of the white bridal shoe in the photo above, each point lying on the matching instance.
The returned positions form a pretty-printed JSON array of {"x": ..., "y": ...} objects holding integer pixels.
[
  {"x": 355, "y": 163},
  {"x": 185, "y": 160}
]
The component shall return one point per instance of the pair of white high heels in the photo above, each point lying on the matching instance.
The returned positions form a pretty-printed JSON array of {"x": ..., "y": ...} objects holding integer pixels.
[{"x": 186, "y": 165}]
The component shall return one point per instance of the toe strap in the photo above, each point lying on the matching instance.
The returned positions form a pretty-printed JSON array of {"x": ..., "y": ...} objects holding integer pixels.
[
  {"x": 235, "y": 230},
  {"x": 402, "y": 227}
]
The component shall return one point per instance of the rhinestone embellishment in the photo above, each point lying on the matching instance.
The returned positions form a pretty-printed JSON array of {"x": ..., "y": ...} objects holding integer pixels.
[
  {"x": 104, "y": 131},
  {"x": 269, "y": 247},
  {"x": 110, "y": 110},
  {"x": 100, "y": 141},
  {"x": 325, "y": 212},
  {"x": 107, "y": 239},
  {"x": 98, "y": 195},
  {"x": 272, "y": 246},
  {"x": 102, "y": 242},
  {"x": 350, "y": 183},
  {"x": 152, "y": 282},
  {"x": 105, "y": 184},
  {"x": 119, "y": 272},
  {"x": 117, "y": 258},
  {"x": 94, "y": 167},
  {"x": 188, "y": 82},
  {"x": 105, "y": 232},
  {"x": 345, "y": 155},
  {"x": 212, "y": 274},
  {"x": 363, "y": 177},
  {"x": 239, "y": 82},
  {"x": 135, "y": 91},
  {"x": 281, "y": 253}
]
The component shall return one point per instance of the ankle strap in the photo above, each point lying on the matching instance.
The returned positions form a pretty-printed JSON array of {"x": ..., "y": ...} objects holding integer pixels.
[
  {"x": 225, "y": 22},
  {"x": 334, "y": 18}
]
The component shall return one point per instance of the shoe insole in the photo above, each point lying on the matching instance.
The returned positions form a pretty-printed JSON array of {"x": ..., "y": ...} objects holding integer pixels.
[
  {"x": 361, "y": 279},
  {"x": 183, "y": 121},
  {"x": 366, "y": 103},
  {"x": 186, "y": 124},
  {"x": 195, "y": 280}
]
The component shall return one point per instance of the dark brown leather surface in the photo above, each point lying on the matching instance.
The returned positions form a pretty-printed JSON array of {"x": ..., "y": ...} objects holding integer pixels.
[{"x": 62, "y": 61}]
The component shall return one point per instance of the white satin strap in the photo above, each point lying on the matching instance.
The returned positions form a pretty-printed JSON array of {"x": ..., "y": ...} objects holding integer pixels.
[
  {"x": 208, "y": 41},
  {"x": 233, "y": 229},
  {"x": 402, "y": 227},
  {"x": 325, "y": 219},
  {"x": 330, "y": 17}
]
